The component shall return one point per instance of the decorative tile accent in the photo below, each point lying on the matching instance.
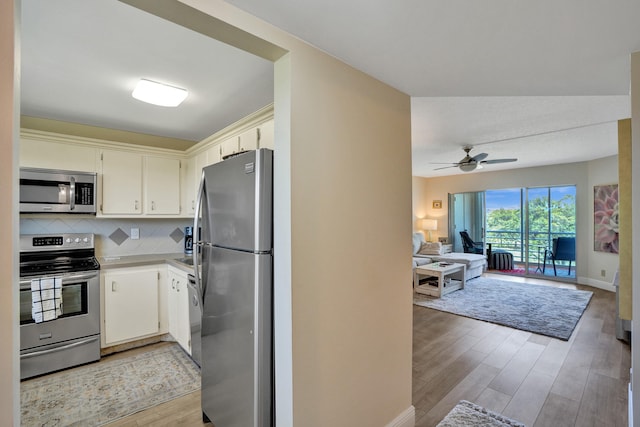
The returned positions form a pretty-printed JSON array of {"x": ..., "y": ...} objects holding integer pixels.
[
  {"x": 118, "y": 236},
  {"x": 177, "y": 235},
  {"x": 157, "y": 235}
]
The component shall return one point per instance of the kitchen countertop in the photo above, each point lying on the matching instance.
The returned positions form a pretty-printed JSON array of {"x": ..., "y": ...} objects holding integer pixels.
[{"x": 174, "y": 259}]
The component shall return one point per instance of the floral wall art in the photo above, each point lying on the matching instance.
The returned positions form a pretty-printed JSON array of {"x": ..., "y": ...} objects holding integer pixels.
[{"x": 605, "y": 218}]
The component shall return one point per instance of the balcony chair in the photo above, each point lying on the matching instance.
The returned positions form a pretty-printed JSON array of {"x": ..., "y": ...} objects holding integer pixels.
[
  {"x": 563, "y": 249},
  {"x": 469, "y": 245}
]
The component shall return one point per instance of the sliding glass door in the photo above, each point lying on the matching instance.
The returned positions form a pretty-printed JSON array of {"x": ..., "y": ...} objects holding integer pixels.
[
  {"x": 526, "y": 222},
  {"x": 466, "y": 213},
  {"x": 505, "y": 226},
  {"x": 552, "y": 215}
]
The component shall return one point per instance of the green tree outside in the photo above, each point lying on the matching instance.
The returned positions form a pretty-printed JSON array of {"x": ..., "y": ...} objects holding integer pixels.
[{"x": 509, "y": 222}]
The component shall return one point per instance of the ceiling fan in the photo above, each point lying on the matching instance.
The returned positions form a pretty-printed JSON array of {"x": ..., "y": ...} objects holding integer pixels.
[{"x": 469, "y": 163}]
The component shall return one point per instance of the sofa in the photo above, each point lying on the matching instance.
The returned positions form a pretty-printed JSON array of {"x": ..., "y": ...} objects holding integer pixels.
[{"x": 429, "y": 252}]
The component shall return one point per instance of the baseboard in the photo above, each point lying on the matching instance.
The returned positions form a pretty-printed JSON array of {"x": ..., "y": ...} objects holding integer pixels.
[
  {"x": 607, "y": 286},
  {"x": 406, "y": 419}
]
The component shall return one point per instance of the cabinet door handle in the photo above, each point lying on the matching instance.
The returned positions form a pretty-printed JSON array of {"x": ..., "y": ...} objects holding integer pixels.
[
  {"x": 178, "y": 286},
  {"x": 135, "y": 205},
  {"x": 113, "y": 286},
  {"x": 173, "y": 283},
  {"x": 153, "y": 205}
]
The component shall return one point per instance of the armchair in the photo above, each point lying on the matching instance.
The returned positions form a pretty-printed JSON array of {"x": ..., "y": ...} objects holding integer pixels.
[
  {"x": 469, "y": 245},
  {"x": 563, "y": 249}
]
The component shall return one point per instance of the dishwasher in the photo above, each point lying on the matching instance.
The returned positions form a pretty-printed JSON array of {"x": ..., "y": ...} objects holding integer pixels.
[{"x": 195, "y": 320}]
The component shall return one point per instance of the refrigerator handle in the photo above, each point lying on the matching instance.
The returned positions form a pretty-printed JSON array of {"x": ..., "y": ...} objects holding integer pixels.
[{"x": 196, "y": 238}]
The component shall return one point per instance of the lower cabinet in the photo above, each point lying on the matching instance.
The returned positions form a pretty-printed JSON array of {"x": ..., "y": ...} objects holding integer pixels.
[
  {"x": 131, "y": 304},
  {"x": 178, "y": 307}
]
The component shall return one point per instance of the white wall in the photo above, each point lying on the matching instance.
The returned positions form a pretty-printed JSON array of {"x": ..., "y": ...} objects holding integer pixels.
[
  {"x": 9, "y": 128},
  {"x": 635, "y": 182},
  {"x": 601, "y": 171},
  {"x": 584, "y": 175}
]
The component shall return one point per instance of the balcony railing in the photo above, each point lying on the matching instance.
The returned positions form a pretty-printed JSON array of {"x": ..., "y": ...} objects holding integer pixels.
[{"x": 512, "y": 241}]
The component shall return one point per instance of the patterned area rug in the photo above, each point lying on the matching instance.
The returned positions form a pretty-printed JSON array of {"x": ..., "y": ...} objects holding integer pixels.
[
  {"x": 544, "y": 310},
  {"x": 467, "y": 414},
  {"x": 99, "y": 393}
]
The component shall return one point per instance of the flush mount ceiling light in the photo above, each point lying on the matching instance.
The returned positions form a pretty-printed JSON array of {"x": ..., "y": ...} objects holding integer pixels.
[{"x": 159, "y": 93}]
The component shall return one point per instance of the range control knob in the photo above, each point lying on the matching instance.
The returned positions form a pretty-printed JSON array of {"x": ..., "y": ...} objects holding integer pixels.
[{"x": 77, "y": 240}]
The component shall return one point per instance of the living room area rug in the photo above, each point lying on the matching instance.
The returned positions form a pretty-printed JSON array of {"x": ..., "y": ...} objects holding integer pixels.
[
  {"x": 108, "y": 390},
  {"x": 544, "y": 310},
  {"x": 467, "y": 414}
]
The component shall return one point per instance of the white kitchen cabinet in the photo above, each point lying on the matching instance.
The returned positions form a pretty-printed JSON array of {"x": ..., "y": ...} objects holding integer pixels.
[
  {"x": 248, "y": 140},
  {"x": 161, "y": 185},
  {"x": 214, "y": 155},
  {"x": 121, "y": 176},
  {"x": 188, "y": 186},
  {"x": 178, "y": 306},
  {"x": 193, "y": 177},
  {"x": 229, "y": 146},
  {"x": 137, "y": 184},
  {"x": 266, "y": 135},
  {"x": 131, "y": 301},
  {"x": 57, "y": 155}
]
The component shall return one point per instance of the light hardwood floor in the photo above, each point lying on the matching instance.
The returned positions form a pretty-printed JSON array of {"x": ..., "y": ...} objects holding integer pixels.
[{"x": 537, "y": 380}]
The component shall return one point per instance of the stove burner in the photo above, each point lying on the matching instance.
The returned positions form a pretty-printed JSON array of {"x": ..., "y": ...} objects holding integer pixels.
[
  {"x": 56, "y": 254},
  {"x": 68, "y": 265}
]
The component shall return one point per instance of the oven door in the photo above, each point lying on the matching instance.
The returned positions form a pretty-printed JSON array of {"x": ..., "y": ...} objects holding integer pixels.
[{"x": 80, "y": 311}]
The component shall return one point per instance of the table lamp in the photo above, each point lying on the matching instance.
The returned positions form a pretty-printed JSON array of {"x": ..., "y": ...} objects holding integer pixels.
[{"x": 430, "y": 225}]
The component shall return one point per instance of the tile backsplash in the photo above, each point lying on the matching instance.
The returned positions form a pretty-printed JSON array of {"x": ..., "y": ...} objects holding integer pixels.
[{"x": 113, "y": 236}]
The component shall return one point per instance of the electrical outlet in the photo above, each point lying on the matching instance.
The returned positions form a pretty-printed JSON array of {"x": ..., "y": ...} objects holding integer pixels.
[
  {"x": 603, "y": 273},
  {"x": 135, "y": 233}
]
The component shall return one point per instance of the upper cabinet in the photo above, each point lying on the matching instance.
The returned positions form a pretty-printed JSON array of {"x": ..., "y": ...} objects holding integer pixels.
[
  {"x": 46, "y": 154},
  {"x": 265, "y": 134},
  {"x": 140, "y": 181},
  {"x": 189, "y": 179},
  {"x": 121, "y": 177},
  {"x": 161, "y": 185},
  {"x": 133, "y": 184},
  {"x": 248, "y": 140},
  {"x": 229, "y": 146}
]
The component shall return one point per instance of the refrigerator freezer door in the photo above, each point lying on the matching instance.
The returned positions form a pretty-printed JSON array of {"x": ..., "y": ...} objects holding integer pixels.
[
  {"x": 237, "y": 202},
  {"x": 237, "y": 348}
]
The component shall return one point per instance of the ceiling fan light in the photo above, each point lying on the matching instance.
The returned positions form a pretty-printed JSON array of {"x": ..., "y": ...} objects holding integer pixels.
[
  {"x": 159, "y": 94},
  {"x": 468, "y": 167}
]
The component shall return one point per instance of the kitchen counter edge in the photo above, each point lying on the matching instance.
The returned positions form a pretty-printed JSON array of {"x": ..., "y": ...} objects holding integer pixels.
[{"x": 173, "y": 259}]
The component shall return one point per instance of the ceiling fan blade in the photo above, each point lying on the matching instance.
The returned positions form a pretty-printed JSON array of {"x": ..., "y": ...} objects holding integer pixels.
[
  {"x": 479, "y": 157},
  {"x": 455, "y": 165},
  {"x": 491, "y": 162},
  {"x": 443, "y": 163}
]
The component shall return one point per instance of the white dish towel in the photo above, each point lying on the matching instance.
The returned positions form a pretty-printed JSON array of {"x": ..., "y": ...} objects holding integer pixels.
[{"x": 46, "y": 299}]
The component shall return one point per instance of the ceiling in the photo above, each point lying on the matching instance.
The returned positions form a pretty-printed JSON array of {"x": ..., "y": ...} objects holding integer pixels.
[
  {"x": 542, "y": 81},
  {"x": 82, "y": 59}
]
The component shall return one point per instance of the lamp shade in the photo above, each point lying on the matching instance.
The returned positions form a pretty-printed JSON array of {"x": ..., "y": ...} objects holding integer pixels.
[{"x": 430, "y": 224}]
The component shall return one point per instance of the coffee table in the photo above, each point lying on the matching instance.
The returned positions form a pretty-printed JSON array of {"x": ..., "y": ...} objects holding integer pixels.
[{"x": 441, "y": 270}]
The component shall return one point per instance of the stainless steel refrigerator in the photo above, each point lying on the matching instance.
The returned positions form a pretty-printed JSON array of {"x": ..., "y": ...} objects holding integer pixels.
[{"x": 235, "y": 244}]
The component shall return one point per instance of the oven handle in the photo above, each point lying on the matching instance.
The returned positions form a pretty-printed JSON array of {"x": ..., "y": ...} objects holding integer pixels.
[
  {"x": 26, "y": 283},
  {"x": 53, "y": 350}
]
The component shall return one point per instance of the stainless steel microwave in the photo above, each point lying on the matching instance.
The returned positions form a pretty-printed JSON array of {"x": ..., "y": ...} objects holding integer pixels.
[{"x": 57, "y": 191}]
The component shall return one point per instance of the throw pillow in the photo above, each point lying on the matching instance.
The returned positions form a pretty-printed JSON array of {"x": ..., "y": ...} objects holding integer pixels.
[
  {"x": 430, "y": 248},
  {"x": 417, "y": 242}
]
